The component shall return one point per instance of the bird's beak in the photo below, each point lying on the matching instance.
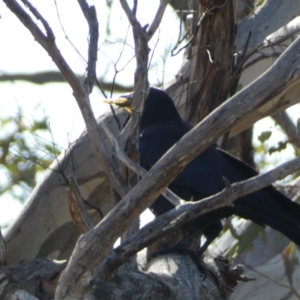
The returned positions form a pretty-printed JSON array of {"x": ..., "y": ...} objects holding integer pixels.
[{"x": 121, "y": 102}]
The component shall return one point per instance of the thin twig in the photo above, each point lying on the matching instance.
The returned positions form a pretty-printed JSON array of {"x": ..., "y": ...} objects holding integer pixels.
[
  {"x": 132, "y": 19},
  {"x": 34, "y": 11},
  {"x": 158, "y": 18},
  {"x": 65, "y": 33},
  {"x": 121, "y": 155}
]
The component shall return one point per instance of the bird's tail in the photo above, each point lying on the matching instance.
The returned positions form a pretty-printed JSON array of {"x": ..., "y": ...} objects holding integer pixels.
[{"x": 272, "y": 208}]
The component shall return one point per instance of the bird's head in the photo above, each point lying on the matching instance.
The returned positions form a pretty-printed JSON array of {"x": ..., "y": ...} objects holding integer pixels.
[{"x": 158, "y": 107}]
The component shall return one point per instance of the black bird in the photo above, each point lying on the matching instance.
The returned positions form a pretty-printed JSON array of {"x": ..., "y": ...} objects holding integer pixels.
[{"x": 160, "y": 128}]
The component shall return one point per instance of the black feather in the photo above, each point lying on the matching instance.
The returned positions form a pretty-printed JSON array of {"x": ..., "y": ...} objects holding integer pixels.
[{"x": 161, "y": 127}]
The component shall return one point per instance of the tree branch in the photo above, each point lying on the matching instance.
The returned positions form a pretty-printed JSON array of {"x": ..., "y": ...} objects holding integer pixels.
[
  {"x": 288, "y": 126},
  {"x": 132, "y": 19},
  {"x": 158, "y": 17},
  {"x": 91, "y": 18},
  {"x": 272, "y": 15},
  {"x": 141, "y": 86},
  {"x": 183, "y": 213},
  {"x": 121, "y": 155}
]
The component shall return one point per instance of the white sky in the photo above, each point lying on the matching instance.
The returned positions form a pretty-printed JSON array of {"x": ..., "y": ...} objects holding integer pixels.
[{"x": 19, "y": 53}]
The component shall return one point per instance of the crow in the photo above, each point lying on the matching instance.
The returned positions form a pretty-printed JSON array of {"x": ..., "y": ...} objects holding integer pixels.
[{"x": 160, "y": 128}]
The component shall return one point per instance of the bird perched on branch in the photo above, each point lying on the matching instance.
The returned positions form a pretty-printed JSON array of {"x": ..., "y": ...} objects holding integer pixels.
[{"x": 160, "y": 128}]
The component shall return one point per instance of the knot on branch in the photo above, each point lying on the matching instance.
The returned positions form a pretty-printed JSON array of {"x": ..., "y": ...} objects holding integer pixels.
[{"x": 227, "y": 276}]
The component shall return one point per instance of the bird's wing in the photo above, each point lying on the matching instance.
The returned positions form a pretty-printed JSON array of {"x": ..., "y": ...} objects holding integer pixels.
[
  {"x": 161, "y": 127},
  {"x": 204, "y": 175},
  {"x": 156, "y": 140}
]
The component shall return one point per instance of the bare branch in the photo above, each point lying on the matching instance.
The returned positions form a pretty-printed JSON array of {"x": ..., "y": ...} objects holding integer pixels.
[
  {"x": 282, "y": 34},
  {"x": 288, "y": 126},
  {"x": 34, "y": 11},
  {"x": 279, "y": 13},
  {"x": 158, "y": 17},
  {"x": 183, "y": 213},
  {"x": 132, "y": 19},
  {"x": 141, "y": 86},
  {"x": 121, "y": 155},
  {"x": 91, "y": 18}
]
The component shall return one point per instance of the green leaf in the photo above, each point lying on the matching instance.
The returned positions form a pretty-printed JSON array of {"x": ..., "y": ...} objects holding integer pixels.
[
  {"x": 264, "y": 136},
  {"x": 24, "y": 154},
  {"x": 281, "y": 146}
]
